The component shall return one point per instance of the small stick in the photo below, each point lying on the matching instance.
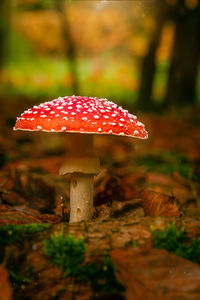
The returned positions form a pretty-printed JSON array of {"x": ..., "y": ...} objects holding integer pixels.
[{"x": 62, "y": 207}]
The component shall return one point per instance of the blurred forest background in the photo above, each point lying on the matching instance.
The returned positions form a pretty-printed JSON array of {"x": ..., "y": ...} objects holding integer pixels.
[{"x": 143, "y": 53}]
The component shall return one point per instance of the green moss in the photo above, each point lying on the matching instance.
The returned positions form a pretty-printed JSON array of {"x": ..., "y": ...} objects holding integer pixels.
[
  {"x": 68, "y": 253},
  {"x": 101, "y": 276},
  {"x": 135, "y": 244},
  {"x": 17, "y": 278},
  {"x": 167, "y": 163},
  {"x": 11, "y": 234},
  {"x": 16, "y": 234},
  {"x": 176, "y": 241}
]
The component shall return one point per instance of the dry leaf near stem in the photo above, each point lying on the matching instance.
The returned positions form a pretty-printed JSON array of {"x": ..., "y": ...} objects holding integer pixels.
[{"x": 157, "y": 204}]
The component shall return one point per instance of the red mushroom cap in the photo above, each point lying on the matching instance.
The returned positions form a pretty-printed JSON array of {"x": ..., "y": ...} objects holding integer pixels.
[{"x": 81, "y": 115}]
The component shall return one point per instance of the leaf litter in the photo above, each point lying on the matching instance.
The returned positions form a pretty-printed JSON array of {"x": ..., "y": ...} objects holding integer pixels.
[{"x": 141, "y": 183}]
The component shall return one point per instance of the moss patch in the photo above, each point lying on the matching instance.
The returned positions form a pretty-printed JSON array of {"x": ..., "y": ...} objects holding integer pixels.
[
  {"x": 176, "y": 241},
  {"x": 68, "y": 253},
  {"x": 11, "y": 234},
  {"x": 166, "y": 163}
]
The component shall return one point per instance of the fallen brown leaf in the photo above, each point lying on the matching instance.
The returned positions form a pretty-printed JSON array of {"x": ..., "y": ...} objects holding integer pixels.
[
  {"x": 4, "y": 207},
  {"x": 157, "y": 204},
  {"x": 53, "y": 219},
  {"x": 5, "y": 286},
  {"x": 150, "y": 274},
  {"x": 19, "y": 217},
  {"x": 16, "y": 217}
]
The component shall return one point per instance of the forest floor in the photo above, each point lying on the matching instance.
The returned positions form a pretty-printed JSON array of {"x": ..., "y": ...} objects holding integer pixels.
[{"x": 142, "y": 183}]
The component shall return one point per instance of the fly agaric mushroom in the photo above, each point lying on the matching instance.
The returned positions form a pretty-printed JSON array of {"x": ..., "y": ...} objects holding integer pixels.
[{"x": 82, "y": 117}]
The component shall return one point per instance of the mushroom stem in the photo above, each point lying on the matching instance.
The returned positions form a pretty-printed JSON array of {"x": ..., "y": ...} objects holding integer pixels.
[
  {"x": 82, "y": 165},
  {"x": 81, "y": 197}
]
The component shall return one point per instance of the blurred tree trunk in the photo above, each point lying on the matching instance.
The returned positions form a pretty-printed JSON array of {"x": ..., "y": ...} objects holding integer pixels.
[
  {"x": 145, "y": 100},
  {"x": 183, "y": 72},
  {"x": 4, "y": 33},
  {"x": 60, "y": 6}
]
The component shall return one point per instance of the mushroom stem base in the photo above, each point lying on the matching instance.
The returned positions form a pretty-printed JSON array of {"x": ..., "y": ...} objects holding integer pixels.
[{"x": 81, "y": 197}]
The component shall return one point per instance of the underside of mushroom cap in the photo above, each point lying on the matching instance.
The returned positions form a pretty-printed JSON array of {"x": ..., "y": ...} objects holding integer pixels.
[{"x": 77, "y": 114}]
